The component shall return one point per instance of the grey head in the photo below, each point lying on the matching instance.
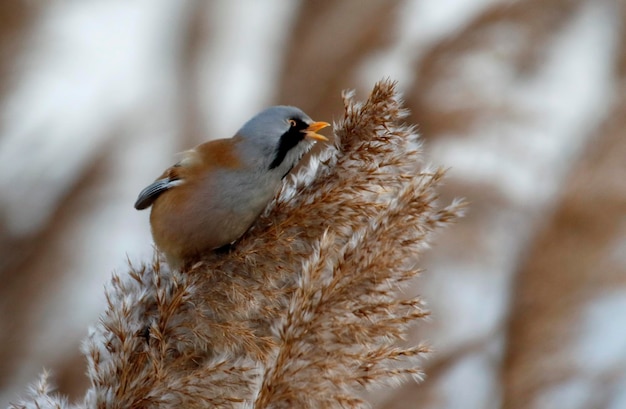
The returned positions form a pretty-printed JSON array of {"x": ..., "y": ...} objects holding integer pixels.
[{"x": 279, "y": 136}]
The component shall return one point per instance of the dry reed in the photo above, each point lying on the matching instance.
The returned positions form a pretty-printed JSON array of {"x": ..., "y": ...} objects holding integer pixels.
[{"x": 305, "y": 311}]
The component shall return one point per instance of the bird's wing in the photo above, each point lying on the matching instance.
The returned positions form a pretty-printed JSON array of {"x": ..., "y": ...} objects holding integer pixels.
[
  {"x": 168, "y": 180},
  {"x": 172, "y": 176}
]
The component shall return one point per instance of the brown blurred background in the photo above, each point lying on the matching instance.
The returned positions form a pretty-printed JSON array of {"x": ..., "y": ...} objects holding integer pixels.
[{"x": 523, "y": 100}]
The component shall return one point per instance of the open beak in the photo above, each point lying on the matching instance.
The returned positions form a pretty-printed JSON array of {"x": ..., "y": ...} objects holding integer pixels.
[{"x": 310, "y": 132}]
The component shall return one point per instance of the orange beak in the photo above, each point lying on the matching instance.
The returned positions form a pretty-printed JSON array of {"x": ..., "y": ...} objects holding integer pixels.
[{"x": 310, "y": 132}]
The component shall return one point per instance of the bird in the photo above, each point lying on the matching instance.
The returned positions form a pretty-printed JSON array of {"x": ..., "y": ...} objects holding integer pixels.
[{"x": 212, "y": 196}]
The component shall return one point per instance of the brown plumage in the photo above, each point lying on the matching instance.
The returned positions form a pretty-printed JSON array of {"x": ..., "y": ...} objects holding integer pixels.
[
  {"x": 219, "y": 188},
  {"x": 181, "y": 217}
]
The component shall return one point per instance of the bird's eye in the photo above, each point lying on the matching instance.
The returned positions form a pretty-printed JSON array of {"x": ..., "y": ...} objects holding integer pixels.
[{"x": 292, "y": 123}]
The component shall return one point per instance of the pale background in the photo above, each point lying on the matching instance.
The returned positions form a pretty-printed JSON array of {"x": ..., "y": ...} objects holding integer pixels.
[{"x": 523, "y": 100}]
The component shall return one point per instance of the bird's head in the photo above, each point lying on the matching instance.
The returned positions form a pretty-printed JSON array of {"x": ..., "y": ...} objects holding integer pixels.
[{"x": 282, "y": 134}]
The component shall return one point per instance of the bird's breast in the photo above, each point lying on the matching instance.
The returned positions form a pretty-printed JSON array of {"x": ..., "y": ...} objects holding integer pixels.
[{"x": 209, "y": 212}]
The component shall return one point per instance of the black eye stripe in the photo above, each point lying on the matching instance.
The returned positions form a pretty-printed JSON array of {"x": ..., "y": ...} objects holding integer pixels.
[
  {"x": 298, "y": 124},
  {"x": 288, "y": 141}
]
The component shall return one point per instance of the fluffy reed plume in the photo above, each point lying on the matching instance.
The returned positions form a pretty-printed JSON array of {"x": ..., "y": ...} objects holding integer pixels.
[{"x": 305, "y": 310}]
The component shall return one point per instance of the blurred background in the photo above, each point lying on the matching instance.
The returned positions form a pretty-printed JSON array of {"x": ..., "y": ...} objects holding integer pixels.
[{"x": 524, "y": 101}]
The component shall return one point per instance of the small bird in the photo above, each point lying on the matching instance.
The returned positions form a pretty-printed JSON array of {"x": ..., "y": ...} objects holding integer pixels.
[{"x": 213, "y": 195}]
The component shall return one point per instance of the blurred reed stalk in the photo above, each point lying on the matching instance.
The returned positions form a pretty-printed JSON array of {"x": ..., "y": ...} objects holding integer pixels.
[{"x": 305, "y": 311}]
